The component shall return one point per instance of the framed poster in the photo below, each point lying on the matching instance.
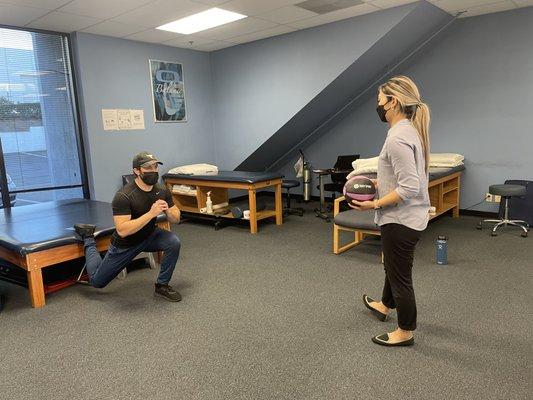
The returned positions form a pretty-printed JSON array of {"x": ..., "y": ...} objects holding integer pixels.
[{"x": 168, "y": 93}]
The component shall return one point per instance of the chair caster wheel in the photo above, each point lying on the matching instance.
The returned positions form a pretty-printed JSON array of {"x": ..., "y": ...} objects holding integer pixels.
[
  {"x": 524, "y": 234},
  {"x": 479, "y": 227},
  {"x": 493, "y": 234}
]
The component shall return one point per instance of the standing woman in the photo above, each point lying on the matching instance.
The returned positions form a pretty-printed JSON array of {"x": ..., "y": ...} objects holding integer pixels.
[{"x": 402, "y": 202}]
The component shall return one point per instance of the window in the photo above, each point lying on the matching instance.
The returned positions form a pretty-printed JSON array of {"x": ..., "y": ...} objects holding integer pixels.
[{"x": 41, "y": 156}]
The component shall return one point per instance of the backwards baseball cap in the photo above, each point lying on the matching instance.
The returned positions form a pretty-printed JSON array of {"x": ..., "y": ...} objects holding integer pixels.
[{"x": 144, "y": 159}]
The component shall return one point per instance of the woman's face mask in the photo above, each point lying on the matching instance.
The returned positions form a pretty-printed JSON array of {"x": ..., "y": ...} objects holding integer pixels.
[{"x": 380, "y": 109}]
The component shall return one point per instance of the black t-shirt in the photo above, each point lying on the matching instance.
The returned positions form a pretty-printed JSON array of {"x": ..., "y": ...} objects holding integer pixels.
[{"x": 132, "y": 200}]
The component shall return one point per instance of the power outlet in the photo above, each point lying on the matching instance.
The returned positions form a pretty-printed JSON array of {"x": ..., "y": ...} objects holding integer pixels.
[
  {"x": 489, "y": 197},
  {"x": 497, "y": 198}
]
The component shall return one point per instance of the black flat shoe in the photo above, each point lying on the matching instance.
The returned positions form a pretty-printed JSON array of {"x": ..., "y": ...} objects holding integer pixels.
[
  {"x": 367, "y": 300},
  {"x": 383, "y": 340}
]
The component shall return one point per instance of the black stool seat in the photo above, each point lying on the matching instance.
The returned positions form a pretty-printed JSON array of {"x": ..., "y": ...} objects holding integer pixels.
[
  {"x": 507, "y": 190},
  {"x": 289, "y": 184}
]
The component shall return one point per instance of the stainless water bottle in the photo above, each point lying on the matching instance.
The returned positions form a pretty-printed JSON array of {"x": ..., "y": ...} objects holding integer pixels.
[{"x": 442, "y": 250}]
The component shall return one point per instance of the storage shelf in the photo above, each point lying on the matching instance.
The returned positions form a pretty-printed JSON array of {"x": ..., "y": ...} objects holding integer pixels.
[
  {"x": 260, "y": 215},
  {"x": 189, "y": 209},
  {"x": 449, "y": 189},
  {"x": 445, "y": 208},
  {"x": 184, "y": 194}
]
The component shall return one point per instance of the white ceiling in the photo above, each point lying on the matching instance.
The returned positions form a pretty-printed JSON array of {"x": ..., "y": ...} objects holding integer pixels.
[{"x": 137, "y": 19}]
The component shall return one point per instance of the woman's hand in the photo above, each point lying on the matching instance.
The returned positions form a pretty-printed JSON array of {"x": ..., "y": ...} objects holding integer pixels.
[
  {"x": 375, "y": 182},
  {"x": 361, "y": 205}
]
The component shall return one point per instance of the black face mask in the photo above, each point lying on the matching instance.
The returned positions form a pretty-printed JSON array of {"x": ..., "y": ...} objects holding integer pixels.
[
  {"x": 150, "y": 178},
  {"x": 380, "y": 109}
]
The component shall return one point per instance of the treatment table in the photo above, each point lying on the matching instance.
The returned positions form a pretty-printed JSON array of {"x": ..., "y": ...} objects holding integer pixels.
[
  {"x": 219, "y": 185},
  {"x": 444, "y": 194},
  {"x": 40, "y": 235}
]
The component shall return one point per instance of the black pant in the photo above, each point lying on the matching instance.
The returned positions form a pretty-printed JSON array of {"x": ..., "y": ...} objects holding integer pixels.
[{"x": 398, "y": 242}]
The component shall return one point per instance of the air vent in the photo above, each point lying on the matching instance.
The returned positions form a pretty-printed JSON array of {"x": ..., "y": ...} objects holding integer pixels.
[{"x": 326, "y": 6}]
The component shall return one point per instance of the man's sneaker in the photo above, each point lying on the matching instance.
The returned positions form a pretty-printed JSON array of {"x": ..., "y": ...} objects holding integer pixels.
[
  {"x": 165, "y": 291},
  {"x": 85, "y": 230}
]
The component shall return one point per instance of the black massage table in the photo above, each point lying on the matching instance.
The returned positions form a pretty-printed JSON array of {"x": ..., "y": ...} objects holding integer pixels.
[
  {"x": 40, "y": 235},
  {"x": 219, "y": 185}
]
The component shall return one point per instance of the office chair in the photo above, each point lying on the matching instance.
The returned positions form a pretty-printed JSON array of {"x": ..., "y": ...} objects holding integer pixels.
[
  {"x": 341, "y": 169},
  {"x": 127, "y": 179}
]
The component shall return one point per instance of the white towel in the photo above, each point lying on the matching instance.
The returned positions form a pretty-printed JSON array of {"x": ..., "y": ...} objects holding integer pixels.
[
  {"x": 445, "y": 160},
  {"x": 184, "y": 189},
  {"x": 439, "y": 160},
  {"x": 195, "y": 169},
  {"x": 364, "y": 166}
]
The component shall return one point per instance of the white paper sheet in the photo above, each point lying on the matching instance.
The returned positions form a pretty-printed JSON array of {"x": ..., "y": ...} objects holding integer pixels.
[
  {"x": 124, "y": 119},
  {"x": 137, "y": 119},
  {"x": 110, "y": 120}
]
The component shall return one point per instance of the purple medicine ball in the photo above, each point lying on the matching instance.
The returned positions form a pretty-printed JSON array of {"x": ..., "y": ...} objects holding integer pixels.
[{"x": 359, "y": 188}]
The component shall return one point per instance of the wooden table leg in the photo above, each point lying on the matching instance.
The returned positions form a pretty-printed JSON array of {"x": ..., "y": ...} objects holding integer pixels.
[
  {"x": 279, "y": 205},
  {"x": 36, "y": 288},
  {"x": 253, "y": 211},
  {"x": 455, "y": 212}
]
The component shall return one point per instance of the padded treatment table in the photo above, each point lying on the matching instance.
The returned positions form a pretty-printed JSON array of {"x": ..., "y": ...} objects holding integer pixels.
[
  {"x": 40, "y": 235},
  {"x": 219, "y": 185},
  {"x": 444, "y": 189},
  {"x": 434, "y": 172}
]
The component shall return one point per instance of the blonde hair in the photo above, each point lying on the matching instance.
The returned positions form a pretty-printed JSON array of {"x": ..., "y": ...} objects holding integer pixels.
[{"x": 405, "y": 91}]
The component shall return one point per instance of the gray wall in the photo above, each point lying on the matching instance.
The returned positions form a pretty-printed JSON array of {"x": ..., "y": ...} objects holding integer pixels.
[
  {"x": 323, "y": 110},
  {"x": 114, "y": 73},
  {"x": 258, "y": 87},
  {"x": 478, "y": 80}
]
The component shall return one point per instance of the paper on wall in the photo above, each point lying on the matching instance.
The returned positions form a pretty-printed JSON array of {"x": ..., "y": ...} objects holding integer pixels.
[
  {"x": 124, "y": 119},
  {"x": 110, "y": 120},
  {"x": 137, "y": 119},
  {"x": 114, "y": 120}
]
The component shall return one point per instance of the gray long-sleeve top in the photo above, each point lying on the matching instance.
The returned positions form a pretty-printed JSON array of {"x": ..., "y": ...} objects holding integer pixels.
[{"x": 401, "y": 167}]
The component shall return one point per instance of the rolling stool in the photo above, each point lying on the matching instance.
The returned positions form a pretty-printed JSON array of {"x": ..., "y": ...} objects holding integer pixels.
[
  {"x": 289, "y": 184},
  {"x": 506, "y": 192}
]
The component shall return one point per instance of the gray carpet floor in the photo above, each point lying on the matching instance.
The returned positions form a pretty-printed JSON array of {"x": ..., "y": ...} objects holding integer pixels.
[{"x": 279, "y": 316}]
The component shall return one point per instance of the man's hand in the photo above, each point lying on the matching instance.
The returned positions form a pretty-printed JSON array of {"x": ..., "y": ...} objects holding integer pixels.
[
  {"x": 158, "y": 207},
  {"x": 375, "y": 182},
  {"x": 361, "y": 205}
]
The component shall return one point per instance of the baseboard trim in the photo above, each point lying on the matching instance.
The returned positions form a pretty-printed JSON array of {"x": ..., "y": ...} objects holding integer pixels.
[
  {"x": 299, "y": 198},
  {"x": 475, "y": 213}
]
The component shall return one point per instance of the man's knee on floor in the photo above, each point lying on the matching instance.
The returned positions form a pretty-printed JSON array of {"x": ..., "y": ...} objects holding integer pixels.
[{"x": 98, "y": 284}]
